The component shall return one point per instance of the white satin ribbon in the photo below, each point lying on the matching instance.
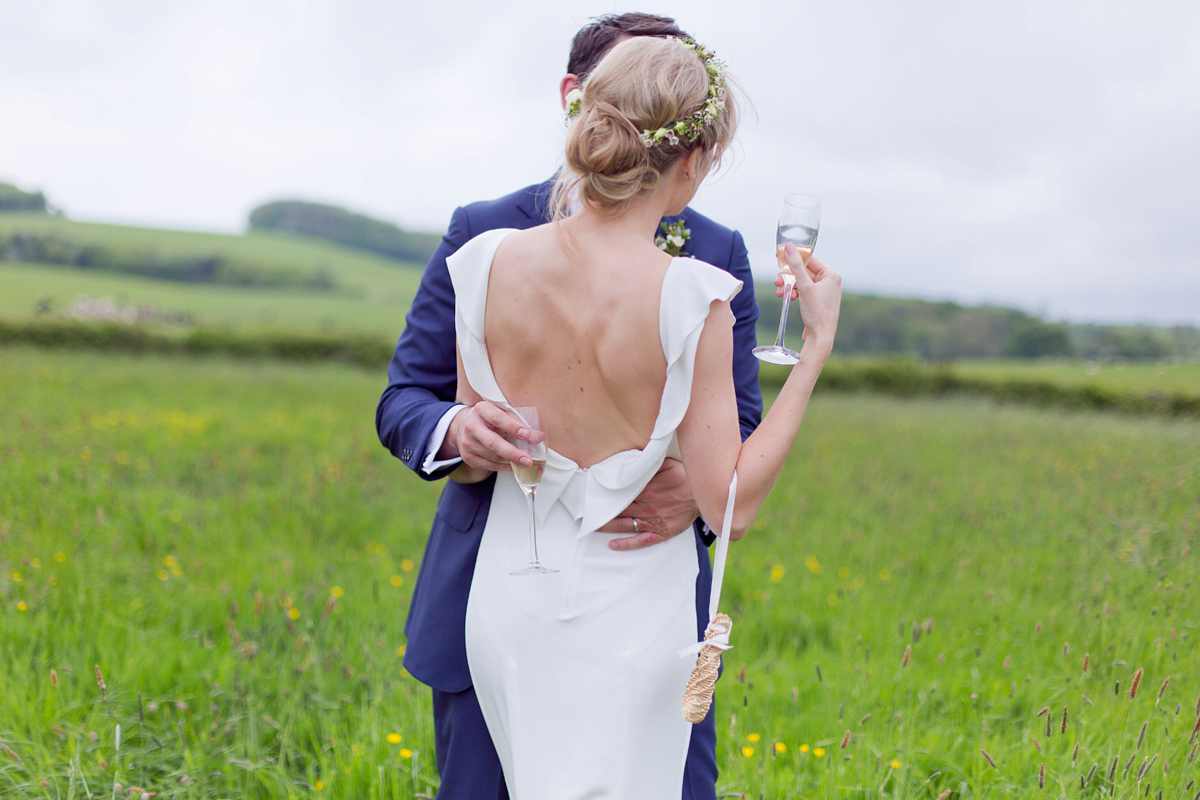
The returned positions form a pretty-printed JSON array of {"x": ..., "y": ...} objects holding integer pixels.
[
  {"x": 714, "y": 599},
  {"x": 720, "y": 641}
]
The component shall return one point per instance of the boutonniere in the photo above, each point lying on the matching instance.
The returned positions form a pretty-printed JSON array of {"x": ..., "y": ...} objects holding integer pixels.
[
  {"x": 574, "y": 103},
  {"x": 674, "y": 237}
]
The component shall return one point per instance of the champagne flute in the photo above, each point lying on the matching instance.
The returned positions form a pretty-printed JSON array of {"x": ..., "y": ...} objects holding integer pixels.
[
  {"x": 798, "y": 224},
  {"x": 528, "y": 479}
]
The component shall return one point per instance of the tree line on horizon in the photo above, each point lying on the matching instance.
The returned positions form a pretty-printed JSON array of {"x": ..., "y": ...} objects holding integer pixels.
[
  {"x": 350, "y": 228},
  {"x": 870, "y": 325},
  {"x": 944, "y": 331}
]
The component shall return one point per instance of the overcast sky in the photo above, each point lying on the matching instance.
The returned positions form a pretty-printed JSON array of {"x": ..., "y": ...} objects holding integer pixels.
[{"x": 1033, "y": 153}]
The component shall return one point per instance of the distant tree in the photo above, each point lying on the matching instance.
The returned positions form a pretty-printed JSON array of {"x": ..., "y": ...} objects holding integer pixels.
[
  {"x": 13, "y": 199},
  {"x": 344, "y": 227},
  {"x": 1032, "y": 338},
  {"x": 942, "y": 331}
]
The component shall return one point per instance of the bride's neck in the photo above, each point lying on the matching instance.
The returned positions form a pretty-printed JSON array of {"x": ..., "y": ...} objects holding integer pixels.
[{"x": 640, "y": 219}]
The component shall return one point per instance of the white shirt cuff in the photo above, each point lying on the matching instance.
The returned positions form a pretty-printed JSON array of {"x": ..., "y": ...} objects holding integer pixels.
[{"x": 429, "y": 465}]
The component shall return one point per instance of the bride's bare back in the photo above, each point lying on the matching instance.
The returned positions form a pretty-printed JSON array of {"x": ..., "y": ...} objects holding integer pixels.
[{"x": 572, "y": 327}]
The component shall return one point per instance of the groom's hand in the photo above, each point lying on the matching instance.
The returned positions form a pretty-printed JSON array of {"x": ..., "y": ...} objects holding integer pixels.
[
  {"x": 665, "y": 508},
  {"x": 477, "y": 436}
]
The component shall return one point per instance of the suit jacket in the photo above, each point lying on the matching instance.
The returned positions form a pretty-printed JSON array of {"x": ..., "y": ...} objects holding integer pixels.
[{"x": 422, "y": 380}]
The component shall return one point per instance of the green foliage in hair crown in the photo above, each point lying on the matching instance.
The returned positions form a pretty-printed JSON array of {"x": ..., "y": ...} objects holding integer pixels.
[
  {"x": 714, "y": 105},
  {"x": 691, "y": 127}
]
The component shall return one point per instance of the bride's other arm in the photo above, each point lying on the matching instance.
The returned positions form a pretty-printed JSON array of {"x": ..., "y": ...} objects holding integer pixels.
[{"x": 709, "y": 438}]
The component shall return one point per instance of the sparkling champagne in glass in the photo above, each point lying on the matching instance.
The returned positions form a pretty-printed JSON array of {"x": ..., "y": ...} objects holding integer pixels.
[
  {"x": 528, "y": 479},
  {"x": 798, "y": 225}
]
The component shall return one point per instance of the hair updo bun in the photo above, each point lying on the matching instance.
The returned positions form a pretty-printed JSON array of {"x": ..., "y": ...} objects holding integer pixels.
[{"x": 644, "y": 83}]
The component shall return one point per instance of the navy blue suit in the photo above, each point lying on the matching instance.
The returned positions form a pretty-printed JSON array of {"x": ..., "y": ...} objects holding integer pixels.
[{"x": 422, "y": 380}]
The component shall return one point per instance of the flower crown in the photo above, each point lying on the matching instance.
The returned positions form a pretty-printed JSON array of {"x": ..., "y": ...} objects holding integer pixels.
[{"x": 692, "y": 127}]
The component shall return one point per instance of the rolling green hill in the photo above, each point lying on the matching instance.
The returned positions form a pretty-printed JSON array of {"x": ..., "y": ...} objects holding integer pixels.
[{"x": 363, "y": 293}]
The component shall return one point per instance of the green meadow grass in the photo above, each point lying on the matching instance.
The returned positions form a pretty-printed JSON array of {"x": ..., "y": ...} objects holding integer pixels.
[
  {"x": 231, "y": 547},
  {"x": 1140, "y": 376}
]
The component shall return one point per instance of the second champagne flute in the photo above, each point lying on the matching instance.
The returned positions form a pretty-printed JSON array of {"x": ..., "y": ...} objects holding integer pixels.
[
  {"x": 799, "y": 223},
  {"x": 528, "y": 479}
]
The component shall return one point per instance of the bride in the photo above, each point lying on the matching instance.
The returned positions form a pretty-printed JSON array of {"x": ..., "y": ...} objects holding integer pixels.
[{"x": 626, "y": 353}]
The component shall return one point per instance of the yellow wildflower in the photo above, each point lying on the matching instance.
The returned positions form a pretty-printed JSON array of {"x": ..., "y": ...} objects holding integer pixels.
[
  {"x": 319, "y": 785},
  {"x": 21, "y": 606},
  {"x": 753, "y": 737},
  {"x": 405, "y": 752},
  {"x": 293, "y": 613},
  {"x": 337, "y": 591},
  {"x": 397, "y": 580},
  {"x": 394, "y": 738},
  {"x": 406, "y": 565},
  {"x": 818, "y": 751},
  {"x": 896, "y": 764},
  {"x": 747, "y": 751},
  {"x": 780, "y": 747},
  {"x": 777, "y": 573},
  {"x": 814, "y": 566},
  {"x": 60, "y": 556}
]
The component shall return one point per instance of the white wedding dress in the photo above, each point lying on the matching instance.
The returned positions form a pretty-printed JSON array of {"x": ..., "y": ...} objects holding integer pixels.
[{"x": 578, "y": 672}]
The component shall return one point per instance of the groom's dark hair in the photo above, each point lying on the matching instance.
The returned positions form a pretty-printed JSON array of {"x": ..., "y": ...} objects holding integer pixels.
[{"x": 594, "y": 40}]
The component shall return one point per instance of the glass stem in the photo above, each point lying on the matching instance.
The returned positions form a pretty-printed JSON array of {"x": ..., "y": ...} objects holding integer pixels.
[
  {"x": 533, "y": 553},
  {"x": 788, "y": 283}
]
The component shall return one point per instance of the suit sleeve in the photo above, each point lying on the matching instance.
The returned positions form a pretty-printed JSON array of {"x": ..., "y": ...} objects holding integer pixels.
[
  {"x": 745, "y": 365},
  {"x": 423, "y": 376}
]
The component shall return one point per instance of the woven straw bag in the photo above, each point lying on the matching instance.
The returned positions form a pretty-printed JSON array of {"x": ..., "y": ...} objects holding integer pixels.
[{"x": 698, "y": 694}]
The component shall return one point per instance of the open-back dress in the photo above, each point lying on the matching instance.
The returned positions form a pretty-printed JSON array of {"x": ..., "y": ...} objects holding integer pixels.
[{"x": 578, "y": 672}]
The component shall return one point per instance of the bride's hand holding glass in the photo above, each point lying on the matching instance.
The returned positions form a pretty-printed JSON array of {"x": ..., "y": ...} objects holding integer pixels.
[{"x": 818, "y": 294}]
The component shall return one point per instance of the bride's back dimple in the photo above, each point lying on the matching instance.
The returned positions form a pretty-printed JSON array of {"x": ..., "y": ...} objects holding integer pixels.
[{"x": 580, "y": 340}]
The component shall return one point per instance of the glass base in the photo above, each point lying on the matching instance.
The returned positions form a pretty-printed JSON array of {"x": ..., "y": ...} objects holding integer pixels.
[
  {"x": 533, "y": 569},
  {"x": 774, "y": 354}
]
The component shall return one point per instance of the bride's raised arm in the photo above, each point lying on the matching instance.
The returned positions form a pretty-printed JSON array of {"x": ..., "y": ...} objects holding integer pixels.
[{"x": 709, "y": 437}]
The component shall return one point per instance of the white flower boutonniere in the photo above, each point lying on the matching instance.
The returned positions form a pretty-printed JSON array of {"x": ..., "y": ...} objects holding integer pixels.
[
  {"x": 574, "y": 102},
  {"x": 674, "y": 237}
]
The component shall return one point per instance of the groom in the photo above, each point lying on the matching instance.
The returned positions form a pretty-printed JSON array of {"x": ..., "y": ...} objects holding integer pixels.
[{"x": 419, "y": 421}]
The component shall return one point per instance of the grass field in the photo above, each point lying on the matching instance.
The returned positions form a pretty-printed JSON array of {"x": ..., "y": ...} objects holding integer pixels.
[
  {"x": 230, "y": 546},
  {"x": 372, "y": 293},
  {"x": 378, "y": 312},
  {"x": 1139, "y": 376}
]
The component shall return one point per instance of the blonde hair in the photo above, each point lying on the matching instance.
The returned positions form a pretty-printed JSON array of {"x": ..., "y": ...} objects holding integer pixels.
[{"x": 644, "y": 83}]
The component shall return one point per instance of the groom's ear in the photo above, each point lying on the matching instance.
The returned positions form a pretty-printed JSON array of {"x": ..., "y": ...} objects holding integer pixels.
[{"x": 570, "y": 83}]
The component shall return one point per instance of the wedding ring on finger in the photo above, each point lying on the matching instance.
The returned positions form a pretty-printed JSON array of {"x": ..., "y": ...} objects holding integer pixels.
[{"x": 636, "y": 529}]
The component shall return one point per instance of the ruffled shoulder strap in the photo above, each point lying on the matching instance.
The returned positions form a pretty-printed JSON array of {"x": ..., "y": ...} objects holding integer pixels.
[
  {"x": 469, "y": 270},
  {"x": 688, "y": 292}
]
